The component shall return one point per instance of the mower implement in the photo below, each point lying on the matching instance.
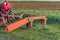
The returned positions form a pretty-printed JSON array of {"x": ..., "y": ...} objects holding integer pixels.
[
  {"x": 10, "y": 26},
  {"x": 28, "y": 21},
  {"x": 16, "y": 25}
]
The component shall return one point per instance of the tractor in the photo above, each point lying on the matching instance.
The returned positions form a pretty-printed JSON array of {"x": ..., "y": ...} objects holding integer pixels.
[{"x": 10, "y": 22}]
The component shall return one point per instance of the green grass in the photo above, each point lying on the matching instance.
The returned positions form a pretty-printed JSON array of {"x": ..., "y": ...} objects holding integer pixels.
[{"x": 38, "y": 32}]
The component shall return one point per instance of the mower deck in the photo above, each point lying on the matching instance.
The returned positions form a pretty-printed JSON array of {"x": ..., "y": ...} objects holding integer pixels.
[
  {"x": 28, "y": 21},
  {"x": 16, "y": 24},
  {"x": 10, "y": 26}
]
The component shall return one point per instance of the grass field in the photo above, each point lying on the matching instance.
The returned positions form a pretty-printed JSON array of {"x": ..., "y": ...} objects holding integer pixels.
[{"x": 38, "y": 32}]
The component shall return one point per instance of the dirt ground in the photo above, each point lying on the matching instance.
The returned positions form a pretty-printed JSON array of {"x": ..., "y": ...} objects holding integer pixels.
[{"x": 36, "y": 5}]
